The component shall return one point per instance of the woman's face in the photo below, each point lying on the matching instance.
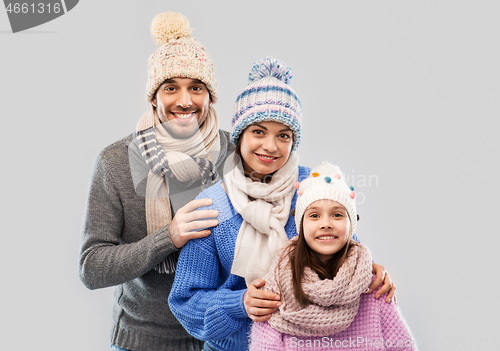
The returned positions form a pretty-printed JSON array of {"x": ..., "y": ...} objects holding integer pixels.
[
  {"x": 326, "y": 228},
  {"x": 265, "y": 147}
]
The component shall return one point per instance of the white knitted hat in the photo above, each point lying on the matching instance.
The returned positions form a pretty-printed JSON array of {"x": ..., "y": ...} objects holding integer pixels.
[{"x": 326, "y": 182}]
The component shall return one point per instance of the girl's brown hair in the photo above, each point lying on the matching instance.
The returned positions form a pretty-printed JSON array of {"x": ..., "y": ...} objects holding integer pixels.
[{"x": 301, "y": 256}]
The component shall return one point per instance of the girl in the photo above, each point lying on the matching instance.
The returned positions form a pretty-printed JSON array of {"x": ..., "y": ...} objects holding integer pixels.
[
  {"x": 323, "y": 277},
  {"x": 253, "y": 205}
]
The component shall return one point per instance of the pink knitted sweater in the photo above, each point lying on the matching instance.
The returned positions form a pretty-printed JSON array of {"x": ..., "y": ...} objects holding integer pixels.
[{"x": 376, "y": 326}]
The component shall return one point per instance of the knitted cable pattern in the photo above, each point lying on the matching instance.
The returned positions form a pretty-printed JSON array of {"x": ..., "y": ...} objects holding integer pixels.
[{"x": 334, "y": 302}]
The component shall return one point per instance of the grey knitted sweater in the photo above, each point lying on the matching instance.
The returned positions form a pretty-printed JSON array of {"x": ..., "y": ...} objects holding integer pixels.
[{"x": 116, "y": 251}]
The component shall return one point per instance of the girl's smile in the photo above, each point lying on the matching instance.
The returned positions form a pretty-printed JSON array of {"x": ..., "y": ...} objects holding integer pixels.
[{"x": 326, "y": 227}]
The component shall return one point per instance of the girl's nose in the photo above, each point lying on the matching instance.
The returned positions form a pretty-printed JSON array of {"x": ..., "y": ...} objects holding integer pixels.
[{"x": 326, "y": 224}]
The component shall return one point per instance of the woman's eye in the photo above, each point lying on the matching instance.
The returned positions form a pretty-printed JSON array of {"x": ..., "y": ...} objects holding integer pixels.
[
  {"x": 258, "y": 131},
  {"x": 284, "y": 136}
]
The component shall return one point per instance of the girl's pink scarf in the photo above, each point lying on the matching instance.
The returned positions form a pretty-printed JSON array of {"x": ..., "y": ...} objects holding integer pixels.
[{"x": 335, "y": 302}]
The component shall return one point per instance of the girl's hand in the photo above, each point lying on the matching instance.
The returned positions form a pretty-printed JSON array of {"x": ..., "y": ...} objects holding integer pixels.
[
  {"x": 388, "y": 285},
  {"x": 260, "y": 304}
]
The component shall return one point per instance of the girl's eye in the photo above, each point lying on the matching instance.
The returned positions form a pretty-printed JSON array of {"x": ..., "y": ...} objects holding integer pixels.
[
  {"x": 258, "y": 131},
  {"x": 337, "y": 215},
  {"x": 284, "y": 136},
  {"x": 313, "y": 215}
]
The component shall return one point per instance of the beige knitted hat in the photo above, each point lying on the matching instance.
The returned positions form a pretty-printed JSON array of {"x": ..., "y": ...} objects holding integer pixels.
[
  {"x": 178, "y": 55},
  {"x": 326, "y": 182}
]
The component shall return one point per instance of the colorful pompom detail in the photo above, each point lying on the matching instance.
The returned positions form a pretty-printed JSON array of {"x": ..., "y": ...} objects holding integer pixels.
[
  {"x": 337, "y": 176},
  {"x": 353, "y": 195},
  {"x": 270, "y": 67},
  {"x": 328, "y": 179},
  {"x": 315, "y": 174},
  {"x": 296, "y": 185},
  {"x": 300, "y": 191},
  {"x": 352, "y": 188}
]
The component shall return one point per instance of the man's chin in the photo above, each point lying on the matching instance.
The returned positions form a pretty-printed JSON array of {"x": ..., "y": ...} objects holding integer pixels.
[
  {"x": 179, "y": 130},
  {"x": 182, "y": 133}
]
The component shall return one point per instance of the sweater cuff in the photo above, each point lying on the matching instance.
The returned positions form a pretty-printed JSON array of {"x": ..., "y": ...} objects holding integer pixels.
[
  {"x": 233, "y": 304},
  {"x": 162, "y": 244}
]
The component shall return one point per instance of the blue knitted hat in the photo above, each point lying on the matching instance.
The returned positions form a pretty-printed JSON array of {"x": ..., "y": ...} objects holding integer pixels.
[{"x": 268, "y": 97}]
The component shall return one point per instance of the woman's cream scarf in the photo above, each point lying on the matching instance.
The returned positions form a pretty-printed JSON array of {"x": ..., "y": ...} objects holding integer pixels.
[{"x": 262, "y": 232}]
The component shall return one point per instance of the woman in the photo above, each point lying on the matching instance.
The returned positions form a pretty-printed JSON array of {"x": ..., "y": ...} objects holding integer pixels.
[{"x": 254, "y": 203}]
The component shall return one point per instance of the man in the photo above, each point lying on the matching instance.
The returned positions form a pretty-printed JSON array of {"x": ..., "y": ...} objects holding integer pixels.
[{"x": 140, "y": 208}]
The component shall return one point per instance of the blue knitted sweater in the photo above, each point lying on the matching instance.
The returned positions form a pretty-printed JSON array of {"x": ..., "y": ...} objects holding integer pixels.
[{"x": 206, "y": 298}]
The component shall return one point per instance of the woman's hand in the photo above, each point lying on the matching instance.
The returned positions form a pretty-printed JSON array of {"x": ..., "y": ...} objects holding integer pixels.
[
  {"x": 388, "y": 286},
  {"x": 260, "y": 304}
]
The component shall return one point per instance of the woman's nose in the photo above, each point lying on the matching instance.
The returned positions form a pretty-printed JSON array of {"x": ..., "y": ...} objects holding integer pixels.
[{"x": 270, "y": 144}]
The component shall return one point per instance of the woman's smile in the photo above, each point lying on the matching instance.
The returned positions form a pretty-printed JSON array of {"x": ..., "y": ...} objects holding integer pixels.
[{"x": 265, "y": 147}]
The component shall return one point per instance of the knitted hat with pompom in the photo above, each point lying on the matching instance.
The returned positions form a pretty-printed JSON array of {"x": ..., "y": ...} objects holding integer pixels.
[
  {"x": 326, "y": 182},
  {"x": 178, "y": 56},
  {"x": 268, "y": 97}
]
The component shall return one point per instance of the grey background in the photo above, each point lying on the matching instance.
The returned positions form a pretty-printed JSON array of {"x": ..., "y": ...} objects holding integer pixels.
[{"x": 403, "y": 95}]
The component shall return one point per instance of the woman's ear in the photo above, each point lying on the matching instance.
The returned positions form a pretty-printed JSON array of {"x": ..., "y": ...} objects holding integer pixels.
[{"x": 153, "y": 102}]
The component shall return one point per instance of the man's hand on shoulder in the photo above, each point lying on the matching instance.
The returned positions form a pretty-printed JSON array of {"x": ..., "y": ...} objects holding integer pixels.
[{"x": 186, "y": 224}]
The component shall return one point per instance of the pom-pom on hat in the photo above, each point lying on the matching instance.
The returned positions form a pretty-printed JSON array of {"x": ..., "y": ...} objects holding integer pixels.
[
  {"x": 326, "y": 182},
  {"x": 179, "y": 55},
  {"x": 268, "y": 97}
]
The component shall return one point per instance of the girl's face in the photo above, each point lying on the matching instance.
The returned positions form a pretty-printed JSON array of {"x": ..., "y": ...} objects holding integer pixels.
[
  {"x": 326, "y": 228},
  {"x": 265, "y": 148}
]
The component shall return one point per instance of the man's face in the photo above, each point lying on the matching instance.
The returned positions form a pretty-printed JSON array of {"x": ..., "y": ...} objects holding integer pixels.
[{"x": 182, "y": 105}]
